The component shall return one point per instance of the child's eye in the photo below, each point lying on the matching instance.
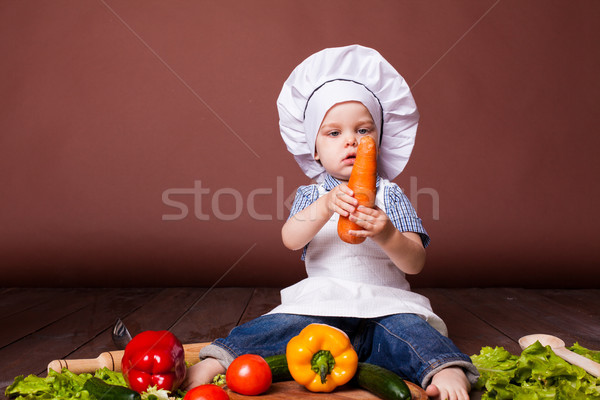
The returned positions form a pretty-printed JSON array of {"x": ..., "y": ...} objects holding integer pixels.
[
  {"x": 363, "y": 131},
  {"x": 334, "y": 133}
]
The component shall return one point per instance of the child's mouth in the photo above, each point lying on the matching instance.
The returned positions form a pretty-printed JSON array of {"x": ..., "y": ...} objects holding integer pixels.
[{"x": 349, "y": 159}]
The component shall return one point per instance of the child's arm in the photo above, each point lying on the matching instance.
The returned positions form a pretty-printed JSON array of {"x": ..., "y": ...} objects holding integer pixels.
[
  {"x": 300, "y": 228},
  {"x": 405, "y": 249}
]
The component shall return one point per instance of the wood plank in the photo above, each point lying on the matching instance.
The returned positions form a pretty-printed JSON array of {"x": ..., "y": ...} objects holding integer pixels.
[
  {"x": 469, "y": 332},
  {"x": 158, "y": 313},
  {"x": 583, "y": 304},
  {"x": 164, "y": 310},
  {"x": 263, "y": 300},
  {"x": 475, "y": 318},
  {"x": 16, "y": 300},
  {"x": 56, "y": 306},
  {"x": 519, "y": 312},
  {"x": 32, "y": 353},
  {"x": 215, "y": 313}
]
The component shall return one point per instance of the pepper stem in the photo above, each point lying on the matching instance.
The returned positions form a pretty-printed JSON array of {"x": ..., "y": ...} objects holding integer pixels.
[{"x": 322, "y": 363}]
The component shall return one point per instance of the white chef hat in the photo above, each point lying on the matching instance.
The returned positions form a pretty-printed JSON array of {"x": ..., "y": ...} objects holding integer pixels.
[{"x": 336, "y": 75}]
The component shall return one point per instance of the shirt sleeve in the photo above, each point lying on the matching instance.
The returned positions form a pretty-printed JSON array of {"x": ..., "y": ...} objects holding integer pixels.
[
  {"x": 305, "y": 196},
  {"x": 402, "y": 214}
]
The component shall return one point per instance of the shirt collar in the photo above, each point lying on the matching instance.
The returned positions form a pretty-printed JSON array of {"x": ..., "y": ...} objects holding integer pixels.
[{"x": 330, "y": 182}]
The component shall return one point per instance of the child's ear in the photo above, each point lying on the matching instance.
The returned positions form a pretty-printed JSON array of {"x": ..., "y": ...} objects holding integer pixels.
[{"x": 316, "y": 156}]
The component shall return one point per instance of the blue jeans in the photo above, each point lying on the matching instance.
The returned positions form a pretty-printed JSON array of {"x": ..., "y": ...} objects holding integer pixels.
[{"x": 403, "y": 343}]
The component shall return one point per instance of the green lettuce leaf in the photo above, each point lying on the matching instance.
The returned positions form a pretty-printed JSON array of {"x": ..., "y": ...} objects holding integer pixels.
[
  {"x": 111, "y": 377},
  {"x": 496, "y": 367},
  {"x": 29, "y": 385},
  {"x": 58, "y": 386},
  {"x": 536, "y": 374},
  {"x": 591, "y": 354}
]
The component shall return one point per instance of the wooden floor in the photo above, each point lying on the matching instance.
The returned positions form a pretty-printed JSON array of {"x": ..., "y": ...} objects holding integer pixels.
[{"x": 40, "y": 325}]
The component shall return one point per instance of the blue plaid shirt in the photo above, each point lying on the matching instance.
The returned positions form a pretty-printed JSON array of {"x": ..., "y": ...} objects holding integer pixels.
[{"x": 397, "y": 207}]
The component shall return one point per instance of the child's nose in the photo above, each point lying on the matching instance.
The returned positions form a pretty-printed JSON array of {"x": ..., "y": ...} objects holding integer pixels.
[{"x": 351, "y": 140}]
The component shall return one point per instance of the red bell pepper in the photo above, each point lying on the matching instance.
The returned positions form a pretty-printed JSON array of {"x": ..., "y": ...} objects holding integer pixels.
[{"x": 154, "y": 358}]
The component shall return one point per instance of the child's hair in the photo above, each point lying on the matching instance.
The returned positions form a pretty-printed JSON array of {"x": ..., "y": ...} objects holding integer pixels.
[{"x": 336, "y": 75}]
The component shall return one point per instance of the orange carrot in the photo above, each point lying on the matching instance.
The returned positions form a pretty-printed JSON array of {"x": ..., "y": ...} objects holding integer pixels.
[{"x": 362, "y": 182}]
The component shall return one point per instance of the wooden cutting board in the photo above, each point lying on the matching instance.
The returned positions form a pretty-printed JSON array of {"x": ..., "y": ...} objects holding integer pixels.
[
  {"x": 292, "y": 390},
  {"x": 278, "y": 391}
]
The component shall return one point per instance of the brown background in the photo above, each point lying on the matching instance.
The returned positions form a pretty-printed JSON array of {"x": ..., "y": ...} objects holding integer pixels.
[{"x": 110, "y": 108}]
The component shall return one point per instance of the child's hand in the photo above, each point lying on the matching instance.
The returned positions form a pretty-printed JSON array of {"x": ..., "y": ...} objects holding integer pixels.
[
  {"x": 341, "y": 201},
  {"x": 375, "y": 223}
]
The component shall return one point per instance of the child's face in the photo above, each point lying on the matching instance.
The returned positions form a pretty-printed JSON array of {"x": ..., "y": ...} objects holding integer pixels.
[{"x": 338, "y": 137}]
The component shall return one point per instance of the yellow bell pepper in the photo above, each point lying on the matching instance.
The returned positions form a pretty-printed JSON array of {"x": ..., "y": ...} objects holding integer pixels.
[{"x": 321, "y": 358}]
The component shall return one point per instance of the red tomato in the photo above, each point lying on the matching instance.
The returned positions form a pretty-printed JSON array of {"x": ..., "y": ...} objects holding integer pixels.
[
  {"x": 206, "y": 392},
  {"x": 249, "y": 374}
]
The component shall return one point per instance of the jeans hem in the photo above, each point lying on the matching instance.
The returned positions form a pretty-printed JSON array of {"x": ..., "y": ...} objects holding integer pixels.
[
  {"x": 219, "y": 352},
  {"x": 467, "y": 366}
]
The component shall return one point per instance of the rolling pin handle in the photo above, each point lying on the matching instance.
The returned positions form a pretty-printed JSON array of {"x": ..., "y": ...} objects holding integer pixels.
[
  {"x": 57, "y": 365},
  {"x": 108, "y": 360},
  {"x": 112, "y": 360}
]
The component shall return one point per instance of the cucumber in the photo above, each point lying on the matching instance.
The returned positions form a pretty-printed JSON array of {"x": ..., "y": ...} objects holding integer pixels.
[
  {"x": 381, "y": 382},
  {"x": 103, "y": 391},
  {"x": 279, "y": 368}
]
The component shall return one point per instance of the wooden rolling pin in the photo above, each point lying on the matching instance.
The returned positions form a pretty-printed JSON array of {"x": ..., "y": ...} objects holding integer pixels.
[{"x": 112, "y": 360}]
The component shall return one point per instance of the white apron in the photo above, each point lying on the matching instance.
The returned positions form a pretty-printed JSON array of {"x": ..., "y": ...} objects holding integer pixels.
[{"x": 353, "y": 280}]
